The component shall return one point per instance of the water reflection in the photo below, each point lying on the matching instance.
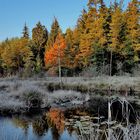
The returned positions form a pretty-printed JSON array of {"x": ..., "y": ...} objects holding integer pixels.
[
  {"x": 59, "y": 125},
  {"x": 55, "y": 119},
  {"x": 21, "y": 123},
  {"x": 40, "y": 127},
  {"x": 49, "y": 127}
]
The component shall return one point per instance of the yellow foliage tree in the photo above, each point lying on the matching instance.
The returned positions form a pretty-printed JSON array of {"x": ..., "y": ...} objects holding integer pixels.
[
  {"x": 16, "y": 53},
  {"x": 116, "y": 24},
  {"x": 133, "y": 27}
]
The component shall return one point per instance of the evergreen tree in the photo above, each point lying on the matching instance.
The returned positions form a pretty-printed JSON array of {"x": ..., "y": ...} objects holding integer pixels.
[
  {"x": 25, "y": 33},
  {"x": 53, "y": 33},
  {"x": 40, "y": 37}
]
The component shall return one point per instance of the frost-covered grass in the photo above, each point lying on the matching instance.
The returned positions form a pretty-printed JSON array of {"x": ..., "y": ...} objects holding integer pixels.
[
  {"x": 13, "y": 88},
  {"x": 15, "y": 93},
  {"x": 100, "y": 83},
  {"x": 114, "y": 81}
]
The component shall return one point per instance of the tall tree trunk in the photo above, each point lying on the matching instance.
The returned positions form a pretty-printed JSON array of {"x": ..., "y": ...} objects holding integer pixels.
[
  {"x": 103, "y": 63},
  {"x": 110, "y": 73},
  {"x": 59, "y": 64}
]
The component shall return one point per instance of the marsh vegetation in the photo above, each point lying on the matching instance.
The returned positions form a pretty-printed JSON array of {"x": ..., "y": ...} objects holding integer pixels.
[{"x": 77, "y": 109}]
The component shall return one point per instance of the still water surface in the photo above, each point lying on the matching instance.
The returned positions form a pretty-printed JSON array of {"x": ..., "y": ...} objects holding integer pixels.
[
  {"x": 14, "y": 128},
  {"x": 57, "y": 124}
]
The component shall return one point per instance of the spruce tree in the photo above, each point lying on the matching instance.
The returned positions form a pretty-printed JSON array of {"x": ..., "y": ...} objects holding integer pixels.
[
  {"x": 55, "y": 28},
  {"x": 25, "y": 32},
  {"x": 40, "y": 37}
]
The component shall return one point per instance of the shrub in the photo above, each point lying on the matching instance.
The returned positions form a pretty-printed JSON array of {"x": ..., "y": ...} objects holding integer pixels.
[{"x": 33, "y": 98}]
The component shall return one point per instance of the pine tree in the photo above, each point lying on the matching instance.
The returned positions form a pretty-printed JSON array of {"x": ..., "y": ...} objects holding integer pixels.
[
  {"x": 40, "y": 37},
  {"x": 25, "y": 33},
  {"x": 55, "y": 29}
]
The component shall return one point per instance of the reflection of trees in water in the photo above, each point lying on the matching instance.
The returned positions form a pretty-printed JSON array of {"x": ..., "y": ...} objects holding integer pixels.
[
  {"x": 40, "y": 126},
  {"x": 55, "y": 133},
  {"x": 22, "y": 123},
  {"x": 70, "y": 130},
  {"x": 55, "y": 119}
]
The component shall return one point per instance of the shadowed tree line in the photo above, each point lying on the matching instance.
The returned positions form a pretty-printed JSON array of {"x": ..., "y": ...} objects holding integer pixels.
[{"x": 105, "y": 40}]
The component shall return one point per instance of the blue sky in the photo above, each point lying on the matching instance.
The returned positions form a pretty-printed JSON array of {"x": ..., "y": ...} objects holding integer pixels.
[{"x": 14, "y": 13}]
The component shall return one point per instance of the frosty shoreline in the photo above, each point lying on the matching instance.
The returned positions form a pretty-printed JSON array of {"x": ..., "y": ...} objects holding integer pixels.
[{"x": 73, "y": 91}]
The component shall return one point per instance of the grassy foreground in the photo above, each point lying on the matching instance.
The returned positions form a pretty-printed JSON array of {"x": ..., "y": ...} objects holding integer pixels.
[{"x": 16, "y": 93}]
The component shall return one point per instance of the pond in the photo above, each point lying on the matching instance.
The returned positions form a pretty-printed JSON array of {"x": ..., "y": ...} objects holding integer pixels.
[
  {"x": 98, "y": 119},
  {"x": 19, "y": 128},
  {"x": 59, "y": 124}
]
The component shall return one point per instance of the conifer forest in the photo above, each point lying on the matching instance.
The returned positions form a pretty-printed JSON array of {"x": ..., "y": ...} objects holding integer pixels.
[
  {"x": 81, "y": 82},
  {"x": 105, "y": 41}
]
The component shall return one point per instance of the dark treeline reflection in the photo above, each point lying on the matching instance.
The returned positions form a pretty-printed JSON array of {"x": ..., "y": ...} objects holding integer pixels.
[
  {"x": 70, "y": 124},
  {"x": 39, "y": 125},
  {"x": 52, "y": 120}
]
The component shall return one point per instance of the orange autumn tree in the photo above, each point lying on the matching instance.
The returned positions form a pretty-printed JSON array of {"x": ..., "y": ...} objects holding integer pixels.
[
  {"x": 55, "y": 54},
  {"x": 55, "y": 118}
]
